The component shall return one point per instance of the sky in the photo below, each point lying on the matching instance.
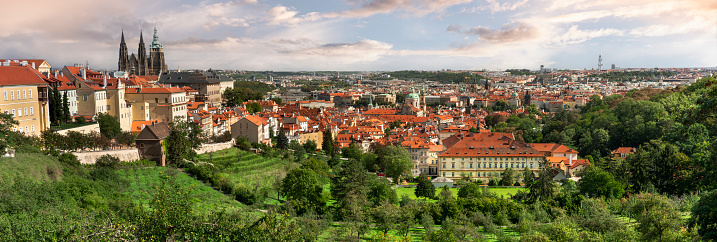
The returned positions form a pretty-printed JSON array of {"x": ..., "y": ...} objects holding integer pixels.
[{"x": 367, "y": 35}]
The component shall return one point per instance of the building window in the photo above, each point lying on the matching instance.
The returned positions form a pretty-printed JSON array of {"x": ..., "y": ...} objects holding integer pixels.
[
  {"x": 32, "y": 111},
  {"x": 444, "y": 165},
  {"x": 13, "y": 113},
  {"x": 453, "y": 174},
  {"x": 141, "y": 145},
  {"x": 27, "y": 130},
  {"x": 30, "y": 93},
  {"x": 471, "y": 165},
  {"x": 453, "y": 165},
  {"x": 84, "y": 97},
  {"x": 108, "y": 107},
  {"x": 5, "y": 95},
  {"x": 24, "y": 94},
  {"x": 12, "y": 95},
  {"x": 19, "y": 112},
  {"x": 25, "y": 111},
  {"x": 32, "y": 128}
]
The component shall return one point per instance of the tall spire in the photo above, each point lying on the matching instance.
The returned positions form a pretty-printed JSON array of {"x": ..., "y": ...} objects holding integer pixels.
[
  {"x": 155, "y": 40},
  {"x": 141, "y": 39},
  {"x": 122, "y": 42}
]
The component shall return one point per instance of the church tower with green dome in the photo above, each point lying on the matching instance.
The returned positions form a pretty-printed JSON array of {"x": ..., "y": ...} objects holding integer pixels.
[{"x": 156, "y": 56}]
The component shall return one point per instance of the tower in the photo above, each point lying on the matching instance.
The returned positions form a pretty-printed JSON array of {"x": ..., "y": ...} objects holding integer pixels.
[
  {"x": 156, "y": 56},
  {"x": 141, "y": 57},
  {"x": 123, "y": 63},
  {"x": 600, "y": 62}
]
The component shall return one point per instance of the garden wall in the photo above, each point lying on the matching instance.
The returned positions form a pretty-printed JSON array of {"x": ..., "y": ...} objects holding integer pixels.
[
  {"x": 82, "y": 129},
  {"x": 123, "y": 155},
  {"x": 133, "y": 154}
]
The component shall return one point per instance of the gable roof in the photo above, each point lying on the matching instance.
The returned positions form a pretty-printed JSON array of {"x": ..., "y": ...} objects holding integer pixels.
[
  {"x": 157, "y": 131},
  {"x": 19, "y": 75}
]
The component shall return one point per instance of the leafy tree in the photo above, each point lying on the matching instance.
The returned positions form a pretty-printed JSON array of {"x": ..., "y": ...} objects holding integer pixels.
[
  {"x": 471, "y": 190},
  {"x": 386, "y": 216},
  {"x": 395, "y": 160},
  {"x": 253, "y": 107},
  {"x": 328, "y": 143},
  {"x": 301, "y": 187},
  {"x": 381, "y": 191},
  {"x": 528, "y": 176},
  {"x": 509, "y": 175},
  {"x": 597, "y": 182},
  {"x": 446, "y": 194},
  {"x": 109, "y": 126},
  {"x": 299, "y": 151},
  {"x": 425, "y": 188},
  {"x": 6, "y": 124},
  {"x": 282, "y": 142},
  {"x": 704, "y": 214},
  {"x": 183, "y": 138},
  {"x": 501, "y": 105},
  {"x": 349, "y": 187},
  {"x": 310, "y": 146},
  {"x": 657, "y": 219}
]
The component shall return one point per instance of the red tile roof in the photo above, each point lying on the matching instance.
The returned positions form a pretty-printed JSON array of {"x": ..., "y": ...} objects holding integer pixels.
[{"x": 19, "y": 75}]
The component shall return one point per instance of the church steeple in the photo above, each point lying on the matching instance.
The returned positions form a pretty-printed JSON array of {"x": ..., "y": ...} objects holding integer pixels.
[
  {"x": 155, "y": 40},
  {"x": 141, "y": 57},
  {"x": 123, "y": 62}
]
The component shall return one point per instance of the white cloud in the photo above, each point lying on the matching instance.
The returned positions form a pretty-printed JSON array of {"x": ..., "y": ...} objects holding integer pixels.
[
  {"x": 281, "y": 15},
  {"x": 575, "y": 35},
  {"x": 413, "y": 7}
]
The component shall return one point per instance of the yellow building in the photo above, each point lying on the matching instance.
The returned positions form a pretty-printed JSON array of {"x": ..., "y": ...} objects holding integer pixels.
[
  {"x": 163, "y": 103},
  {"x": 486, "y": 155},
  {"x": 25, "y": 98}
]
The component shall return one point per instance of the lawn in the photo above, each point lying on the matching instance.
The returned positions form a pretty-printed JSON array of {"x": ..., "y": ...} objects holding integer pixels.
[
  {"x": 499, "y": 191},
  {"x": 144, "y": 180}
]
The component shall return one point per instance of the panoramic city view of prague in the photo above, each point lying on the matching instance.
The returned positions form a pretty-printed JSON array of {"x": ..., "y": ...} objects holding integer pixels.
[{"x": 358, "y": 120}]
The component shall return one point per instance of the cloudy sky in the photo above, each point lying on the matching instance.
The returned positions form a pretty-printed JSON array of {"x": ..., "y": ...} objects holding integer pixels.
[{"x": 367, "y": 34}]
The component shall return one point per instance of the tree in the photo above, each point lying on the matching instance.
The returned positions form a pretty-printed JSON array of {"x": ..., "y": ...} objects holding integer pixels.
[
  {"x": 253, "y": 107},
  {"x": 528, "y": 176},
  {"x": 509, "y": 175},
  {"x": 386, "y": 216},
  {"x": 657, "y": 219},
  {"x": 301, "y": 187},
  {"x": 380, "y": 191},
  {"x": 597, "y": 182},
  {"x": 543, "y": 187},
  {"x": 66, "y": 115},
  {"x": 349, "y": 187},
  {"x": 6, "y": 124},
  {"x": 425, "y": 187},
  {"x": 183, "y": 138},
  {"x": 395, "y": 160},
  {"x": 328, "y": 142},
  {"x": 471, "y": 190},
  {"x": 109, "y": 126},
  {"x": 299, "y": 151},
  {"x": 501, "y": 105},
  {"x": 310, "y": 146},
  {"x": 282, "y": 142},
  {"x": 704, "y": 214}
]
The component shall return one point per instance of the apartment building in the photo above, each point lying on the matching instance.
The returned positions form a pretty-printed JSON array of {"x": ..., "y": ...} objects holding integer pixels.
[
  {"x": 163, "y": 103},
  {"x": 25, "y": 98}
]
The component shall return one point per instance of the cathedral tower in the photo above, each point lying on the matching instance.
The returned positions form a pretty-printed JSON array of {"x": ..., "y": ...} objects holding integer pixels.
[
  {"x": 156, "y": 57},
  {"x": 123, "y": 63},
  {"x": 141, "y": 58}
]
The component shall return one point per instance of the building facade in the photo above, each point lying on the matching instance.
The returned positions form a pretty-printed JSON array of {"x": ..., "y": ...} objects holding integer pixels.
[{"x": 25, "y": 98}]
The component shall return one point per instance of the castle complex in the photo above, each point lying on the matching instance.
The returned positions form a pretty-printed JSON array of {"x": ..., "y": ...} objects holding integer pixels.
[{"x": 140, "y": 64}]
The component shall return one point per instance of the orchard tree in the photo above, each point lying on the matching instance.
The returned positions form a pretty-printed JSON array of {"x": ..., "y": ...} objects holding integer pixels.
[
  {"x": 395, "y": 160},
  {"x": 109, "y": 126},
  {"x": 301, "y": 187},
  {"x": 183, "y": 138},
  {"x": 509, "y": 175},
  {"x": 597, "y": 182}
]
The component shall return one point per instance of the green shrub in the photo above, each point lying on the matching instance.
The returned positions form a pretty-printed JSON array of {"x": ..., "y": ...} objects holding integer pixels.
[{"x": 107, "y": 161}]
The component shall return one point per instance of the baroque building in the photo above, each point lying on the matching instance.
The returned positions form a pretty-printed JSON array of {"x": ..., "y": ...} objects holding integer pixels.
[{"x": 140, "y": 64}]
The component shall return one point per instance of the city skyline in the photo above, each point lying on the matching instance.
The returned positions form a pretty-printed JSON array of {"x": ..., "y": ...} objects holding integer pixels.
[{"x": 369, "y": 35}]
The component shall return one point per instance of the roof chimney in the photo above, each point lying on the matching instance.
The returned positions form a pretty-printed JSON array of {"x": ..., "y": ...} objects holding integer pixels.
[
  {"x": 104, "y": 81},
  {"x": 33, "y": 65},
  {"x": 84, "y": 74}
]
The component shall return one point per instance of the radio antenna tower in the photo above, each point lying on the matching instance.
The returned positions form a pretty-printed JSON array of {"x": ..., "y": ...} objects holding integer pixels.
[{"x": 600, "y": 61}]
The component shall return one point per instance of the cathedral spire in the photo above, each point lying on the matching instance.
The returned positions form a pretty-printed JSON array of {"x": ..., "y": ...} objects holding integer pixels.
[
  {"x": 122, "y": 42},
  {"x": 141, "y": 39},
  {"x": 155, "y": 40}
]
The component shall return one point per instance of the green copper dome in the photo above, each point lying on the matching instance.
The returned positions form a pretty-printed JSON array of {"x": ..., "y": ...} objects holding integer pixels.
[
  {"x": 155, "y": 41},
  {"x": 412, "y": 95}
]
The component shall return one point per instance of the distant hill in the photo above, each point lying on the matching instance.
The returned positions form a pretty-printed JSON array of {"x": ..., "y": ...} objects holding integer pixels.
[{"x": 37, "y": 167}]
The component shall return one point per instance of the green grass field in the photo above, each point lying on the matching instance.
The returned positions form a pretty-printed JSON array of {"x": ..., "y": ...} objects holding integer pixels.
[
  {"x": 144, "y": 180},
  {"x": 499, "y": 191},
  {"x": 30, "y": 166}
]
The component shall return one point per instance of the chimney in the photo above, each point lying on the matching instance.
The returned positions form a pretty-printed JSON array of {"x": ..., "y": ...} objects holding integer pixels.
[
  {"x": 84, "y": 74},
  {"x": 33, "y": 65},
  {"x": 104, "y": 81}
]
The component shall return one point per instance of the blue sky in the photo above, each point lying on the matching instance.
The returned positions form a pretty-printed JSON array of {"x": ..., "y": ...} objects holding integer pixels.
[{"x": 368, "y": 34}]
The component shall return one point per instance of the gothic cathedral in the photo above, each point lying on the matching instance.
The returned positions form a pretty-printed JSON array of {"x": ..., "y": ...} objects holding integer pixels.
[{"x": 140, "y": 64}]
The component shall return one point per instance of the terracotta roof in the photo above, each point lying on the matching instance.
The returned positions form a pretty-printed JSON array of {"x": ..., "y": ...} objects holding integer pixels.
[
  {"x": 138, "y": 125},
  {"x": 257, "y": 120},
  {"x": 154, "y": 90},
  {"x": 553, "y": 148},
  {"x": 19, "y": 75},
  {"x": 624, "y": 150}
]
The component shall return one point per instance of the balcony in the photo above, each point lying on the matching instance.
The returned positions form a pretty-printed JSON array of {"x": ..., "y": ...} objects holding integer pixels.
[{"x": 42, "y": 93}]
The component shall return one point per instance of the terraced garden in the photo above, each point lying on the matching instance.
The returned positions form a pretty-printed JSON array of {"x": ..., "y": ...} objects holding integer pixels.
[
  {"x": 143, "y": 182},
  {"x": 248, "y": 169}
]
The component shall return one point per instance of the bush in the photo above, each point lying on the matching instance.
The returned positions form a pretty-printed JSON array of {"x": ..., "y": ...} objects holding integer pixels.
[
  {"x": 80, "y": 120},
  {"x": 107, "y": 161},
  {"x": 492, "y": 183},
  {"x": 69, "y": 159},
  {"x": 517, "y": 184}
]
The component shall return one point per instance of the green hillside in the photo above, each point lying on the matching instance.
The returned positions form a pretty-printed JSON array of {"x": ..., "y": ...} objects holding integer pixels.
[{"x": 36, "y": 167}]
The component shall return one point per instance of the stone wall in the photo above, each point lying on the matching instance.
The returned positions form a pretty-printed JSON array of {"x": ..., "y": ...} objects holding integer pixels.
[
  {"x": 82, "y": 129},
  {"x": 215, "y": 147},
  {"x": 133, "y": 154},
  {"x": 123, "y": 155}
]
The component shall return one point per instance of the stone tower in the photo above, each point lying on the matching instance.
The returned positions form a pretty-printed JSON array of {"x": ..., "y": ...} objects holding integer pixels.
[
  {"x": 123, "y": 63},
  {"x": 141, "y": 69},
  {"x": 156, "y": 57}
]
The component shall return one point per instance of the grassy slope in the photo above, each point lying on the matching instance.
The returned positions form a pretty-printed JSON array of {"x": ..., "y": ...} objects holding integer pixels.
[
  {"x": 144, "y": 180},
  {"x": 505, "y": 192},
  {"x": 31, "y": 166}
]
